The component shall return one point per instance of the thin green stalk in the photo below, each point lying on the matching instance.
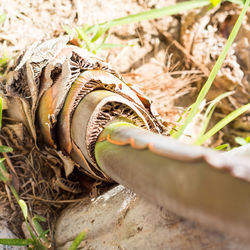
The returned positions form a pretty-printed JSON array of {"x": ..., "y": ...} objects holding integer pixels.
[
  {"x": 24, "y": 209},
  {"x": 225, "y": 146},
  {"x": 85, "y": 38},
  {"x": 209, "y": 112},
  {"x": 242, "y": 141},
  {"x": 241, "y": 2},
  {"x": 156, "y": 13},
  {"x": 213, "y": 73},
  {"x": 77, "y": 241},
  {"x": 14, "y": 192},
  {"x": 222, "y": 123},
  {"x": 3, "y": 18},
  {"x": 215, "y": 2},
  {"x": 16, "y": 242}
]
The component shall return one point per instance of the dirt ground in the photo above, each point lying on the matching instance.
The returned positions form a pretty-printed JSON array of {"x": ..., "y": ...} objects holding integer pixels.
[{"x": 169, "y": 60}]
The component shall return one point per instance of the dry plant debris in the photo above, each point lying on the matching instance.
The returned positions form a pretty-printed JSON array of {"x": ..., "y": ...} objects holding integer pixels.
[
  {"x": 168, "y": 65},
  {"x": 200, "y": 31}
]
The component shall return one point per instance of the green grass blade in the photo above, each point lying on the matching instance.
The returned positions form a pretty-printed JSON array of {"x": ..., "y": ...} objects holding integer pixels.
[
  {"x": 101, "y": 29},
  {"x": 33, "y": 236},
  {"x": 98, "y": 32},
  {"x": 43, "y": 235},
  {"x": 215, "y": 2},
  {"x": 247, "y": 139},
  {"x": 112, "y": 45},
  {"x": 5, "y": 149},
  {"x": 78, "y": 239},
  {"x": 209, "y": 112},
  {"x": 2, "y": 18},
  {"x": 39, "y": 218},
  {"x": 241, "y": 141},
  {"x": 4, "y": 60},
  {"x": 213, "y": 73},
  {"x": 16, "y": 242},
  {"x": 39, "y": 246},
  {"x": 24, "y": 208},
  {"x": 67, "y": 29},
  {"x": 4, "y": 175},
  {"x": 223, "y": 147},
  {"x": 156, "y": 13},
  {"x": 174, "y": 129},
  {"x": 222, "y": 123},
  {"x": 39, "y": 229},
  {"x": 83, "y": 36},
  {"x": 241, "y": 2},
  {"x": 205, "y": 123}
]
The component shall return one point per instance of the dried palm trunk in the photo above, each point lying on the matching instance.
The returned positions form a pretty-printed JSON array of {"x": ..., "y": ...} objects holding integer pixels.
[{"x": 89, "y": 117}]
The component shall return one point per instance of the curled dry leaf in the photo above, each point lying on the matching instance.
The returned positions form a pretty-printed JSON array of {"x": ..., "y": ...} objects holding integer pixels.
[
  {"x": 47, "y": 85},
  {"x": 87, "y": 115}
]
